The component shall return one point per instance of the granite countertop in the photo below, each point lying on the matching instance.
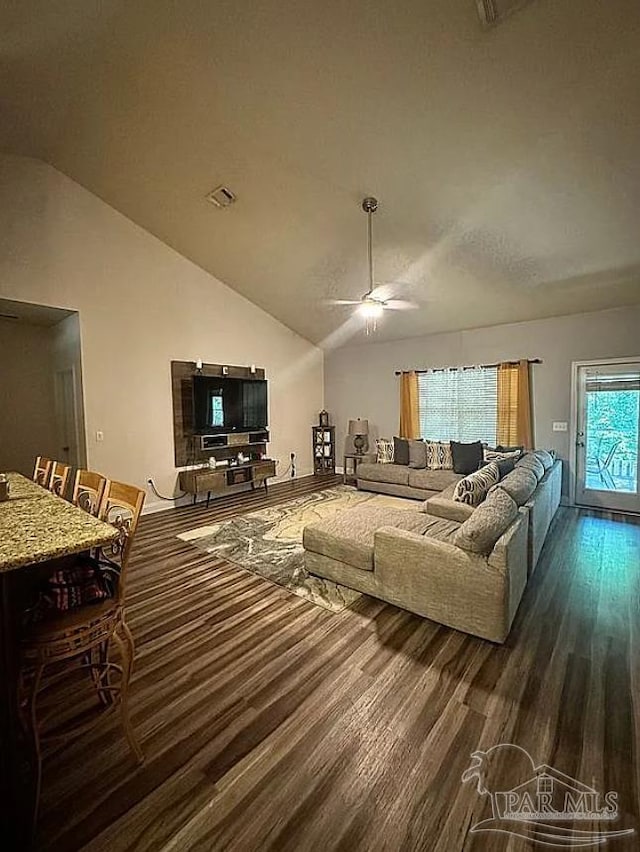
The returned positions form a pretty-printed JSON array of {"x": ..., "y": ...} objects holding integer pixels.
[
  {"x": 21, "y": 488},
  {"x": 36, "y": 528}
]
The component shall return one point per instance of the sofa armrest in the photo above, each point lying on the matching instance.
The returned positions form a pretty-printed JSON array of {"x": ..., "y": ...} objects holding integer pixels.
[
  {"x": 445, "y": 583},
  {"x": 445, "y": 507}
]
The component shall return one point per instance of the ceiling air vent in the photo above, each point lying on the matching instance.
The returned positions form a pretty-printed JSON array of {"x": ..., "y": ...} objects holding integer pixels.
[
  {"x": 491, "y": 12},
  {"x": 221, "y": 196}
]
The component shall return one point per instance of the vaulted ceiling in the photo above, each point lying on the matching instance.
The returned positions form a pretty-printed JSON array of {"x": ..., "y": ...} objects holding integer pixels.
[{"x": 505, "y": 160}]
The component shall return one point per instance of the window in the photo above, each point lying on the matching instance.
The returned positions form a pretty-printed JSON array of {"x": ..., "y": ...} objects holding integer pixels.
[
  {"x": 545, "y": 785},
  {"x": 459, "y": 405}
]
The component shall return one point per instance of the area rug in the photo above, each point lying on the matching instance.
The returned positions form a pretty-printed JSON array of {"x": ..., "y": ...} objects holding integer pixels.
[{"x": 268, "y": 542}]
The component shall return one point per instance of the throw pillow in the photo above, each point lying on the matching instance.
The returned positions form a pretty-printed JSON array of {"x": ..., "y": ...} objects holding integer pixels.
[
  {"x": 494, "y": 454},
  {"x": 480, "y": 532},
  {"x": 505, "y": 466},
  {"x": 530, "y": 462},
  {"x": 519, "y": 485},
  {"x": 466, "y": 457},
  {"x": 545, "y": 457},
  {"x": 473, "y": 488},
  {"x": 502, "y": 449},
  {"x": 401, "y": 451},
  {"x": 417, "y": 454},
  {"x": 439, "y": 455},
  {"x": 384, "y": 450}
]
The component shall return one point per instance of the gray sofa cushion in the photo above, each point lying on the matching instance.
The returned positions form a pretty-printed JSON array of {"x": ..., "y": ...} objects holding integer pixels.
[
  {"x": 444, "y": 506},
  {"x": 417, "y": 454},
  {"x": 530, "y": 462},
  {"x": 433, "y": 480},
  {"x": 545, "y": 457},
  {"x": 442, "y": 529},
  {"x": 474, "y": 487},
  {"x": 396, "y": 474},
  {"x": 348, "y": 536},
  {"x": 481, "y": 531},
  {"x": 519, "y": 485}
]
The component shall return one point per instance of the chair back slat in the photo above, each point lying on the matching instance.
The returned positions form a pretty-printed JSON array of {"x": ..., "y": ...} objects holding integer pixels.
[
  {"x": 59, "y": 478},
  {"x": 88, "y": 491},
  {"x": 121, "y": 507},
  {"x": 42, "y": 471}
]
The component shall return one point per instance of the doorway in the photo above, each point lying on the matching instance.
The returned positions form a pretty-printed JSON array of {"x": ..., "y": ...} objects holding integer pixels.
[
  {"x": 68, "y": 427},
  {"x": 606, "y": 432}
]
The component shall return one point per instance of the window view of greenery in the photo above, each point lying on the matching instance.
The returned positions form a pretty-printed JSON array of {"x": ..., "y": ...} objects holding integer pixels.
[
  {"x": 612, "y": 440},
  {"x": 459, "y": 405}
]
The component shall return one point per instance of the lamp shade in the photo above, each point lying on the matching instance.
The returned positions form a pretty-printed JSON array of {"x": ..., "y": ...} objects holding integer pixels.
[{"x": 358, "y": 427}]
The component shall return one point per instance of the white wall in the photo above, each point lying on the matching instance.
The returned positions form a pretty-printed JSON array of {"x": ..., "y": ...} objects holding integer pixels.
[
  {"x": 360, "y": 380},
  {"x": 141, "y": 305},
  {"x": 27, "y": 421}
]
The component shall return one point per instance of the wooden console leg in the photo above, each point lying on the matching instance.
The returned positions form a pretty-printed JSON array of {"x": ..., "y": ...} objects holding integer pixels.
[{"x": 208, "y": 498}]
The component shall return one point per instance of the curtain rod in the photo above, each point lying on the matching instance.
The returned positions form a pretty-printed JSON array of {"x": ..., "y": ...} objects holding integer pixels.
[{"x": 470, "y": 367}]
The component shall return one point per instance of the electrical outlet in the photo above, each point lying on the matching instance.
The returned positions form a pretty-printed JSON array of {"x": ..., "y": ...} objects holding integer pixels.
[{"x": 99, "y": 435}]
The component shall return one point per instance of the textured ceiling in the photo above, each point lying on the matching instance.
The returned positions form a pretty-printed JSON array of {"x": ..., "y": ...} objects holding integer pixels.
[{"x": 505, "y": 160}]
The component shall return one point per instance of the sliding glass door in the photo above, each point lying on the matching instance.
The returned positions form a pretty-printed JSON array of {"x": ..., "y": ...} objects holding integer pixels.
[{"x": 608, "y": 436}]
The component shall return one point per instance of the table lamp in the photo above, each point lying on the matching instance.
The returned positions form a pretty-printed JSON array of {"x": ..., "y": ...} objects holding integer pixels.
[{"x": 359, "y": 429}]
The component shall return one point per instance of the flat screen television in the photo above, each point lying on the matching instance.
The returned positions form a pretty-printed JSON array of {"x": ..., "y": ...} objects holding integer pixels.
[{"x": 223, "y": 404}]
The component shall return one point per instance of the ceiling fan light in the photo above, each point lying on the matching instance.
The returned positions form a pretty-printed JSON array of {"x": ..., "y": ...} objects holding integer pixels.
[{"x": 371, "y": 310}]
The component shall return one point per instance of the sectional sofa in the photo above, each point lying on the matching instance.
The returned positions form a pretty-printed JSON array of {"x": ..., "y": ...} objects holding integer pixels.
[{"x": 460, "y": 565}]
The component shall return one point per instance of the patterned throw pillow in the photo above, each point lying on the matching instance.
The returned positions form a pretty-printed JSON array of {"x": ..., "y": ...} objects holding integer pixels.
[
  {"x": 491, "y": 454},
  {"x": 384, "y": 449},
  {"x": 439, "y": 455},
  {"x": 473, "y": 488}
]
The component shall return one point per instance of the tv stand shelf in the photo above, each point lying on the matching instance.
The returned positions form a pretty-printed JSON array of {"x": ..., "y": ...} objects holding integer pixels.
[{"x": 206, "y": 480}]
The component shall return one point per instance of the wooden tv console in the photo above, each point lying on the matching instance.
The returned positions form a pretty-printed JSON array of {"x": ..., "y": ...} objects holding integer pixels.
[{"x": 218, "y": 480}]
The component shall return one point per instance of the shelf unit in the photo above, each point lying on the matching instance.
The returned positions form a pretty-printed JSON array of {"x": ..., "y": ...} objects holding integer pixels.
[{"x": 324, "y": 450}]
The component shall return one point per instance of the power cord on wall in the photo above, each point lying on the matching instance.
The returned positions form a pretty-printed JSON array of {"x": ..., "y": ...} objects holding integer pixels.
[{"x": 161, "y": 496}]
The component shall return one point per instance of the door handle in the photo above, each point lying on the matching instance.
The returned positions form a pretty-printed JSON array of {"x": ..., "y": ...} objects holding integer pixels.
[{"x": 579, "y": 443}]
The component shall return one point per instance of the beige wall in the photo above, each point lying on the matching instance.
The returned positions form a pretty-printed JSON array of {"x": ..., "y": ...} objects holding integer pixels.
[
  {"x": 360, "y": 380},
  {"x": 27, "y": 421},
  {"x": 141, "y": 305}
]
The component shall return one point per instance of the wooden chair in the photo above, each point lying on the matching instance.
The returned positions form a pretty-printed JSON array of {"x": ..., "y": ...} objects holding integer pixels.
[
  {"x": 42, "y": 471},
  {"x": 88, "y": 490},
  {"x": 59, "y": 478},
  {"x": 84, "y": 636}
]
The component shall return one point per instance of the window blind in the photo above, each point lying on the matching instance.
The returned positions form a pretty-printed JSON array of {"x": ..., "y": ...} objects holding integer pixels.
[{"x": 459, "y": 405}]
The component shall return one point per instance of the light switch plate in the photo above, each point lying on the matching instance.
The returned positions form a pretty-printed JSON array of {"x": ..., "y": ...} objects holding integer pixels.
[{"x": 560, "y": 426}]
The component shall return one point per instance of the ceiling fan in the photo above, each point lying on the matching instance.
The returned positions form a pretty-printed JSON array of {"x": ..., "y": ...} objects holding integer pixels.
[{"x": 372, "y": 304}]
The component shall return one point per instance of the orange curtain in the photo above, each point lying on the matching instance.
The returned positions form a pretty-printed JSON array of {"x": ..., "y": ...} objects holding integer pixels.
[
  {"x": 515, "y": 426},
  {"x": 409, "y": 413}
]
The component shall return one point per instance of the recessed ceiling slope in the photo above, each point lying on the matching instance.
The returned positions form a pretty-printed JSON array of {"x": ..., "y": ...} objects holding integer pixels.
[{"x": 506, "y": 158}]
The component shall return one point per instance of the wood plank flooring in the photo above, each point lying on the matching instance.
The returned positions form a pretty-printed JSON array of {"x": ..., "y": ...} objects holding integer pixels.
[{"x": 271, "y": 724}]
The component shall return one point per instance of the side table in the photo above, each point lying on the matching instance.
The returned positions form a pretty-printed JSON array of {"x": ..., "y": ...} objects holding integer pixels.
[{"x": 350, "y": 466}]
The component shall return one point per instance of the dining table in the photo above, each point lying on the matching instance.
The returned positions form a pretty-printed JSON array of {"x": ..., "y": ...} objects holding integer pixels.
[{"x": 37, "y": 528}]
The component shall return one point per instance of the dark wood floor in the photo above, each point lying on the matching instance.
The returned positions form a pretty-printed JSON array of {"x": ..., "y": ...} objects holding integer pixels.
[{"x": 271, "y": 724}]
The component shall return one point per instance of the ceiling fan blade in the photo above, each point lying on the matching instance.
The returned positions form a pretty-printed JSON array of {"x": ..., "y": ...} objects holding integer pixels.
[
  {"x": 401, "y": 305},
  {"x": 344, "y": 302}
]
